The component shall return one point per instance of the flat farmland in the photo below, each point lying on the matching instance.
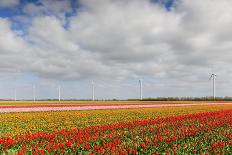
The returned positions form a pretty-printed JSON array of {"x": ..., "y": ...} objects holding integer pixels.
[{"x": 168, "y": 128}]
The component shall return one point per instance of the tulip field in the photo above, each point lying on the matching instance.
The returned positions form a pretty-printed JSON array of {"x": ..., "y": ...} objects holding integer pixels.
[{"x": 199, "y": 129}]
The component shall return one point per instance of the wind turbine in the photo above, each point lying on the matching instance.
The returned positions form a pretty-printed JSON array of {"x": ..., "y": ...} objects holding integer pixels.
[
  {"x": 93, "y": 90},
  {"x": 34, "y": 93},
  {"x": 15, "y": 94},
  {"x": 213, "y": 77},
  {"x": 59, "y": 92},
  {"x": 141, "y": 88}
]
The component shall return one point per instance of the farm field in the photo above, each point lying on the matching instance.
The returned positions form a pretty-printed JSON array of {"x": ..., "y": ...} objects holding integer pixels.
[{"x": 199, "y": 129}]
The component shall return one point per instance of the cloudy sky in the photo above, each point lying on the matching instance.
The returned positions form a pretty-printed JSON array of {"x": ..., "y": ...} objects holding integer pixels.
[{"x": 173, "y": 45}]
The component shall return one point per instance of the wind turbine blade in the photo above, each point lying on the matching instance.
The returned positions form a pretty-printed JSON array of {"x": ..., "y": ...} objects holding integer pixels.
[{"x": 211, "y": 77}]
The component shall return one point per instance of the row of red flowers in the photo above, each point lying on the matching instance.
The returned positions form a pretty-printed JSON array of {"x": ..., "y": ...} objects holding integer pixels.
[{"x": 201, "y": 133}]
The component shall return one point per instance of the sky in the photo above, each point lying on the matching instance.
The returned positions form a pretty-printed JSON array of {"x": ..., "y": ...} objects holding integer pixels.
[{"x": 172, "y": 45}]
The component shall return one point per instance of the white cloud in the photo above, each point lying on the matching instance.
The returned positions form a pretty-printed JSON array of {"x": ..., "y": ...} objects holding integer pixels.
[
  {"x": 14, "y": 50},
  {"x": 96, "y": 45},
  {"x": 124, "y": 39}
]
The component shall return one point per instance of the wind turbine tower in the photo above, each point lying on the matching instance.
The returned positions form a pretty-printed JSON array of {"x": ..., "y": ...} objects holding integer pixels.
[
  {"x": 59, "y": 92},
  {"x": 34, "y": 93},
  {"x": 93, "y": 97},
  {"x": 213, "y": 77},
  {"x": 141, "y": 89},
  {"x": 15, "y": 94}
]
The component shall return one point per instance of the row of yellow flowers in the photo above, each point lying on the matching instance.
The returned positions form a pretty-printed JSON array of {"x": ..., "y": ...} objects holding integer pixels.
[{"x": 13, "y": 124}]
